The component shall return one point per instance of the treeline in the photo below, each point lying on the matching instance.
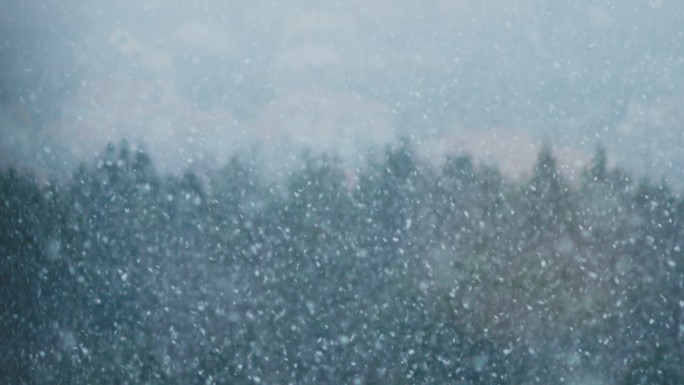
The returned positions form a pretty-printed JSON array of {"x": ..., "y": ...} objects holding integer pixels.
[{"x": 402, "y": 273}]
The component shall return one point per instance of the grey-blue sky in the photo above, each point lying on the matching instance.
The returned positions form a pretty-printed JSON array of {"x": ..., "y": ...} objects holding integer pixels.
[{"x": 570, "y": 72}]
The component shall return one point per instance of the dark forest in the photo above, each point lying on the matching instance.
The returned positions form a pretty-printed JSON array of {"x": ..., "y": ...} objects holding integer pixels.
[{"x": 400, "y": 272}]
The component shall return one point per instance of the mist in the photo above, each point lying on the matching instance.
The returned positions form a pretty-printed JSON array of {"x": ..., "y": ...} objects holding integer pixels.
[
  {"x": 198, "y": 82},
  {"x": 243, "y": 192}
]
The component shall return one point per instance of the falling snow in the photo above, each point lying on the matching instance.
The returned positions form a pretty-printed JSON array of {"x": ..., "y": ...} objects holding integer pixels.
[{"x": 447, "y": 192}]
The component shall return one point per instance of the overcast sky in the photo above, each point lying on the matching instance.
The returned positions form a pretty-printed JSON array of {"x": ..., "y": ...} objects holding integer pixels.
[{"x": 196, "y": 81}]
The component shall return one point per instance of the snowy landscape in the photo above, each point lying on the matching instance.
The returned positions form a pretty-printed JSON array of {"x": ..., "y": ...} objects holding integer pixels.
[{"x": 443, "y": 192}]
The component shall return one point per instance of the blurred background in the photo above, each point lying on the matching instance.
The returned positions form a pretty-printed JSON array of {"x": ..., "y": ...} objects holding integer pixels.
[{"x": 197, "y": 82}]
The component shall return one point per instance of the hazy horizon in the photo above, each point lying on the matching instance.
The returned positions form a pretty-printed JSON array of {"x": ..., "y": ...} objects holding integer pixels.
[{"x": 199, "y": 82}]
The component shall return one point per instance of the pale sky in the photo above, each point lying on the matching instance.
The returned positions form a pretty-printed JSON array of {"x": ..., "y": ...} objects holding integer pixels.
[{"x": 211, "y": 78}]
